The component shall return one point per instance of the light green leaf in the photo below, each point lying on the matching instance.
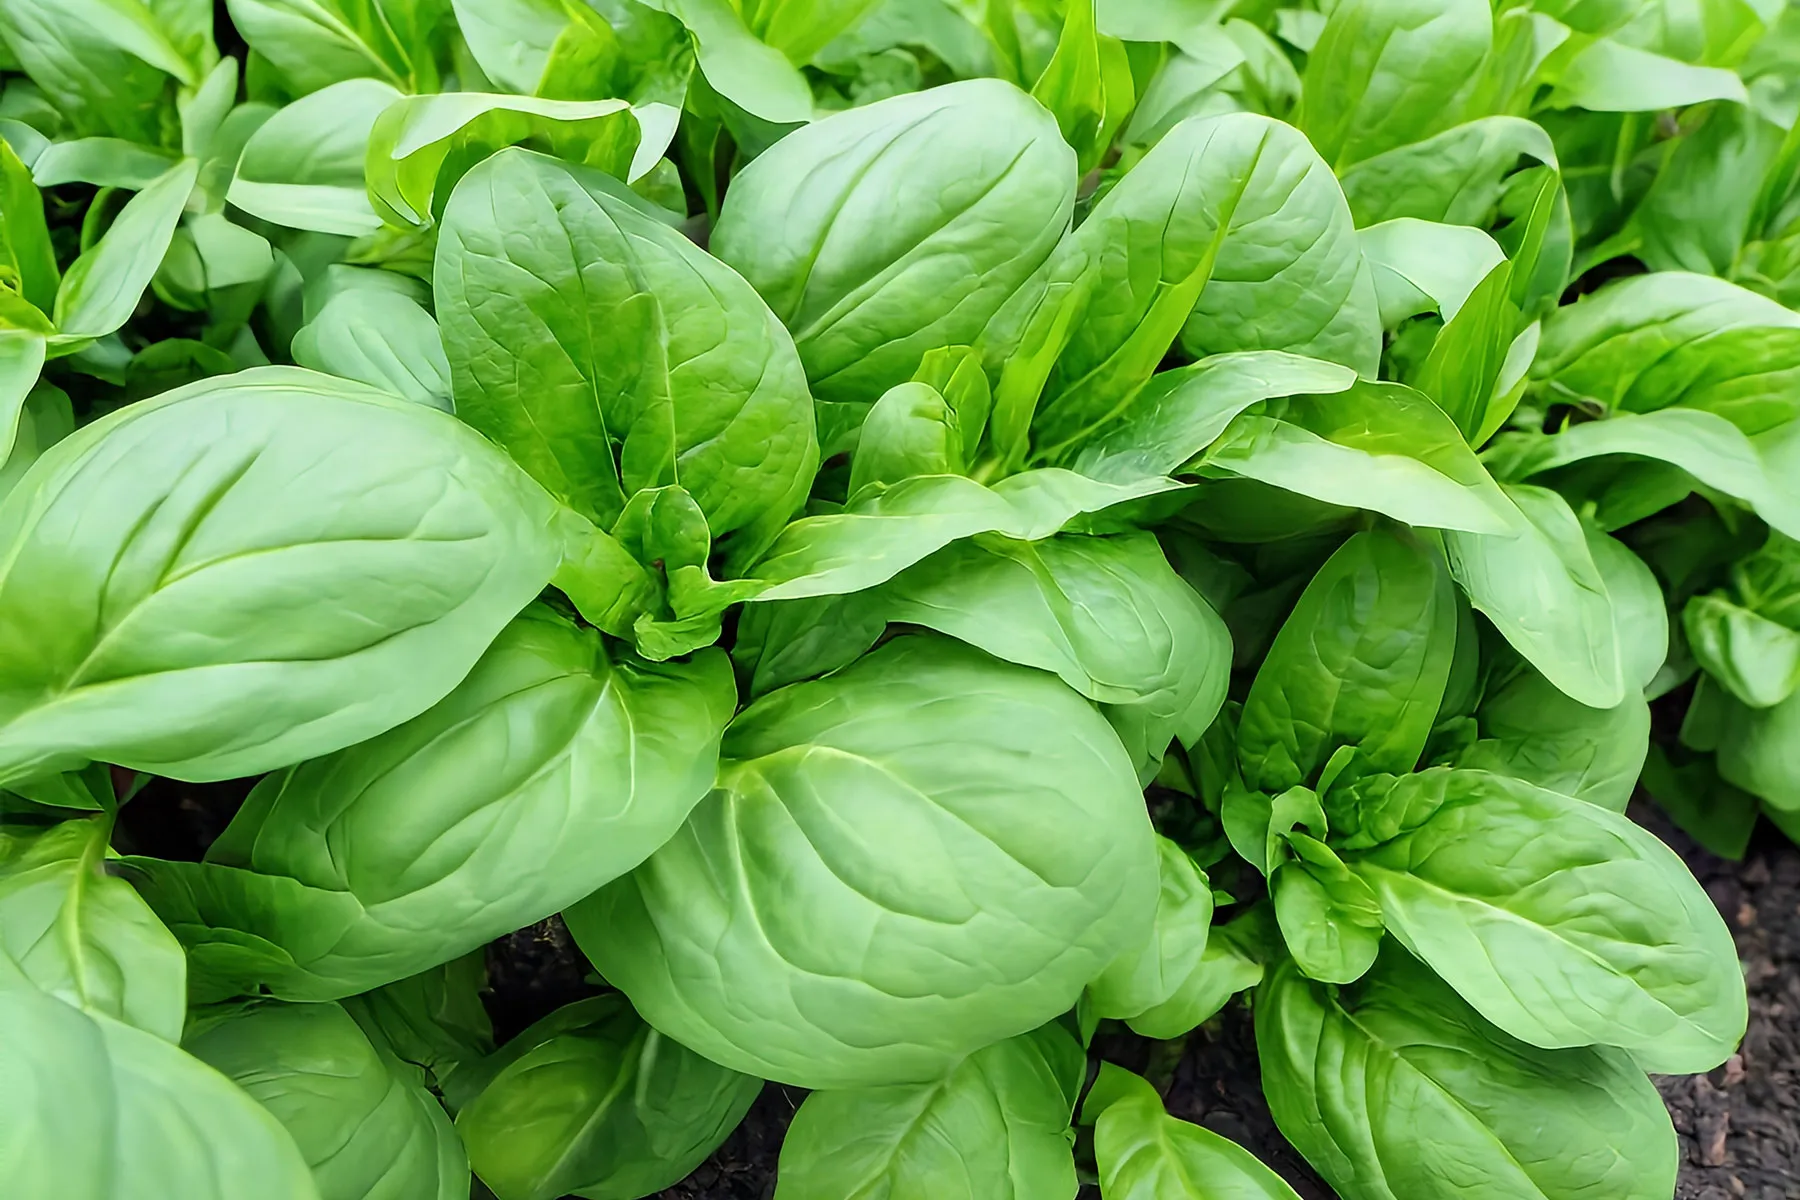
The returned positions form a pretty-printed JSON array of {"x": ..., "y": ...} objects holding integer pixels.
[
  {"x": 1756, "y": 659},
  {"x": 751, "y": 74},
  {"x": 1541, "y": 589},
  {"x": 1359, "y": 1077},
  {"x": 428, "y": 539},
  {"x": 1179, "y": 413},
  {"x": 1421, "y": 266},
  {"x": 1608, "y": 76},
  {"x": 1495, "y": 890},
  {"x": 1671, "y": 338},
  {"x": 104, "y": 285},
  {"x": 95, "y": 1109},
  {"x": 1532, "y": 731},
  {"x": 611, "y": 354},
  {"x": 884, "y": 232},
  {"x": 304, "y": 166},
  {"x": 341, "y": 874},
  {"x": 593, "y": 1101},
  {"x": 995, "y": 1128},
  {"x": 1455, "y": 176},
  {"x": 1152, "y": 972},
  {"x": 21, "y": 359},
  {"x": 316, "y": 43},
  {"x": 911, "y": 859},
  {"x": 381, "y": 338},
  {"x": 414, "y": 137},
  {"x": 1361, "y": 662},
  {"x": 102, "y": 161},
  {"x": 1704, "y": 445},
  {"x": 84, "y": 936},
  {"x": 1378, "y": 446},
  {"x": 1145, "y": 1154},
  {"x": 361, "y": 1118}
]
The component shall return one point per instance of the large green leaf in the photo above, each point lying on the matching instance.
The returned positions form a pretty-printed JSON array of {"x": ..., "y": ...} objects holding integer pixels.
[
  {"x": 1671, "y": 338},
  {"x": 361, "y": 1118},
  {"x": 185, "y": 635},
  {"x": 95, "y": 1109},
  {"x": 316, "y": 43},
  {"x": 884, "y": 231},
  {"x": 611, "y": 354},
  {"x": 994, "y": 1128},
  {"x": 84, "y": 936},
  {"x": 1387, "y": 73},
  {"x": 591, "y": 1100},
  {"x": 1496, "y": 889},
  {"x": 913, "y": 858},
  {"x": 555, "y": 767},
  {"x": 1361, "y": 1078}
]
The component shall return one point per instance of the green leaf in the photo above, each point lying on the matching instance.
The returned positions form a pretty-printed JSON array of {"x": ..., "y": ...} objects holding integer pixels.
[
  {"x": 887, "y": 231},
  {"x": 995, "y": 1128},
  {"x": 1200, "y": 239},
  {"x": 1755, "y": 750},
  {"x": 1455, "y": 176},
  {"x": 1420, "y": 266},
  {"x": 752, "y": 75},
  {"x": 883, "y": 533},
  {"x": 1542, "y": 590},
  {"x": 1608, "y": 76},
  {"x": 96, "y": 1109},
  {"x": 909, "y": 431},
  {"x": 21, "y": 359},
  {"x": 1703, "y": 444},
  {"x": 1107, "y": 615},
  {"x": 1670, "y": 338},
  {"x": 1532, "y": 731},
  {"x": 695, "y": 378},
  {"x": 415, "y": 137},
  {"x": 1145, "y": 1154},
  {"x": 433, "y": 1020},
  {"x": 316, "y": 43},
  {"x": 426, "y": 537},
  {"x": 593, "y": 1101},
  {"x": 108, "y": 66},
  {"x": 304, "y": 167},
  {"x": 601, "y": 757},
  {"x": 1223, "y": 971},
  {"x": 1072, "y": 86},
  {"x": 379, "y": 337},
  {"x": 1179, "y": 413},
  {"x": 1153, "y": 972},
  {"x": 1712, "y": 812},
  {"x": 911, "y": 859},
  {"x": 84, "y": 936},
  {"x": 362, "y": 1118},
  {"x": 1330, "y": 921},
  {"x": 1756, "y": 659},
  {"x": 1495, "y": 890},
  {"x": 1378, "y": 446},
  {"x": 1361, "y": 662},
  {"x": 104, "y": 285},
  {"x": 1358, "y": 1077},
  {"x": 27, "y": 262},
  {"x": 1386, "y": 73}
]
